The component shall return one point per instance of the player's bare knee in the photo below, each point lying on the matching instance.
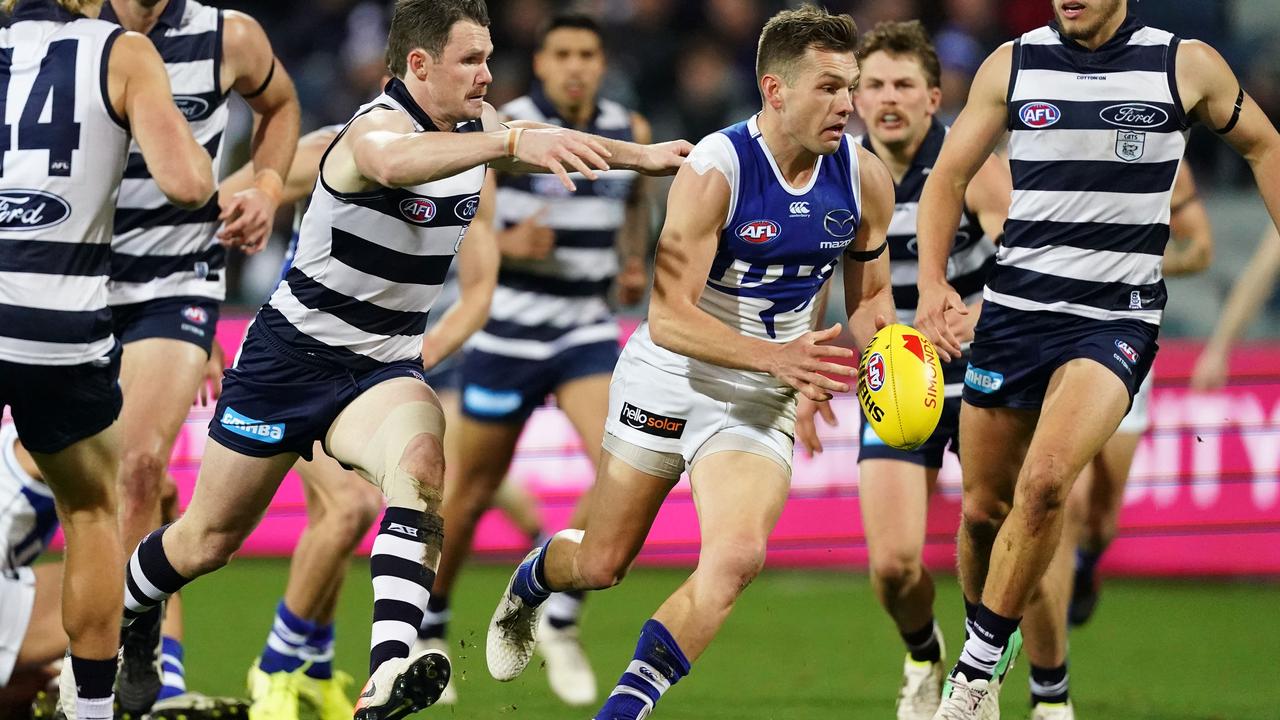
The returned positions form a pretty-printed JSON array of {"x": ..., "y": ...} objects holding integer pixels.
[
  {"x": 894, "y": 571},
  {"x": 356, "y": 508},
  {"x": 216, "y": 550},
  {"x": 142, "y": 474},
  {"x": 1043, "y": 489},
  {"x": 600, "y": 570},
  {"x": 740, "y": 563}
]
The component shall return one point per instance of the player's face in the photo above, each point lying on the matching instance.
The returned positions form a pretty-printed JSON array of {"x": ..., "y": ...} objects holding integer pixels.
[
  {"x": 458, "y": 81},
  {"x": 817, "y": 105},
  {"x": 1082, "y": 19},
  {"x": 894, "y": 98},
  {"x": 570, "y": 66}
]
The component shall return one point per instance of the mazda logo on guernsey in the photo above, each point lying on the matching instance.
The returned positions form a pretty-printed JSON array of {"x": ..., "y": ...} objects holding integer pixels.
[
  {"x": 191, "y": 107},
  {"x": 650, "y": 422},
  {"x": 1134, "y": 115},
  {"x": 1039, "y": 114},
  {"x": 466, "y": 208},
  {"x": 419, "y": 210},
  {"x": 22, "y": 210},
  {"x": 840, "y": 223},
  {"x": 759, "y": 232}
]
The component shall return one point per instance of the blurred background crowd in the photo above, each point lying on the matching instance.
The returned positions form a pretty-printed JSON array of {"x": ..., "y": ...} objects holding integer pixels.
[{"x": 688, "y": 66}]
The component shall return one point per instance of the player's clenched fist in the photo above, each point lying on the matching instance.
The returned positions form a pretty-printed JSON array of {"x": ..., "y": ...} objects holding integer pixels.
[
  {"x": 802, "y": 362},
  {"x": 936, "y": 300},
  {"x": 561, "y": 151}
]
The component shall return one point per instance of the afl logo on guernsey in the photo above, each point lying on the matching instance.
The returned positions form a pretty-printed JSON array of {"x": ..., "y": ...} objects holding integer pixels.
[
  {"x": 22, "y": 209},
  {"x": 1134, "y": 115},
  {"x": 875, "y": 371},
  {"x": 466, "y": 208},
  {"x": 759, "y": 232},
  {"x": 1039, "y": 114},
  {"x": 419, "y": 210},
  {"x": 192, "y": 107},
  {"x": 195, "y": 314}
]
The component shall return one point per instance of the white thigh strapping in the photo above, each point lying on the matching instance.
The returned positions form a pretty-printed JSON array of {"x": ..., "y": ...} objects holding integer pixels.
[{"x": 17, "y": 598}]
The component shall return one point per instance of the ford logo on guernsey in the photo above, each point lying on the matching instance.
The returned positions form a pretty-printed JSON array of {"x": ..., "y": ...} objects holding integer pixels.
[
  {"x": 419, "y": 210},
  {"x": 23, "y": 210},
  {"x": 1134, "y": 115},
  {"x": 191, "y": 107},
  {"x": 467, "y": 207},
  {"x": 1039, "y": 114},
  {"x": 759, "y": 232}
]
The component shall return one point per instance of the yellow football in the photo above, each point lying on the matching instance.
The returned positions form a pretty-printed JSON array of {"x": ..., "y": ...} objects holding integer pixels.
[{"x": 900, "y": 386}]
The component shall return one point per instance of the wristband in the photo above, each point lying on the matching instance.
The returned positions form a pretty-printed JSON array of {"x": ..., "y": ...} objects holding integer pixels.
[
  {"x": 866, "y": 255},
  {"x": 513, "y": 141},
  {"x": 269, "y": 182}
]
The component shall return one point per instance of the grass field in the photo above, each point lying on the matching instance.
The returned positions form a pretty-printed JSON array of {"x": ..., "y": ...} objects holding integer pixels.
[{"x": 801, "y": 645}]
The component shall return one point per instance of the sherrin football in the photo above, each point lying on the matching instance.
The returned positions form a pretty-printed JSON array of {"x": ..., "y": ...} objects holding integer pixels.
[{"x": 900, "y": 386}]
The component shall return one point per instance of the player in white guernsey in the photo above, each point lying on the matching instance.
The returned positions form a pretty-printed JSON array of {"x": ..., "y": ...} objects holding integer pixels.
[
  {"x": 336, "y": 354},
  {"x": 899, "y": 93},
  {"x": 756, "y": 222},
  {"x": 551, "y": 331},
  {"x": 75, "y": 89},
  {"x": 294, "y": 672},
  {"x": 1098, "y": 107}
]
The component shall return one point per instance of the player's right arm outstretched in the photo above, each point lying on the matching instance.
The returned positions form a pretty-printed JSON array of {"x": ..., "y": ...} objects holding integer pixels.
[
  {"x": 968, "y": 146},
  {"x": 138, "y": 86},
  {"x": 1249, "y": 293},
  {"x": 696, "y": 209}
]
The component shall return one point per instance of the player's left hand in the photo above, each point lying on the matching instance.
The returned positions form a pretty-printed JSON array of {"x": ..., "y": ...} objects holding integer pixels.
[
  {"x": 1210, "y": 371},
  {"x": 211, "y": 388},
  {"x": 807, "y": 429},
  {"x": 664, "y": 158},
  {"x": 246, "y": 219},
  {"x": 632, "y": 281}
]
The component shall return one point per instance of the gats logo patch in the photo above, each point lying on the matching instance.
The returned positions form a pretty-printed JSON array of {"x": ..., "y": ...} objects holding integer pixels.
[
  {"x": 875, "y": 371},
  {"x": 1039, "y": 114},
  {"x": 418, "y": 210},
  {"x": 759, "y": 232}
]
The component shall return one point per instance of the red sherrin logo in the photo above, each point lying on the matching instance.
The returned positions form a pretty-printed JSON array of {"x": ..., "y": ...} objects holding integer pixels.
[
  {"x": 759, "y": 232},
  {"x": 875, "y": 371},
  {"x": 1039, "y": 114},
  {"x": 418, "y": 210}
]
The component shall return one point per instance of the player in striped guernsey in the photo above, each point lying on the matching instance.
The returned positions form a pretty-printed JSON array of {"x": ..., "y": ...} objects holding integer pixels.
[
  {"x": 550, "y": 330},
  {"x": 74, "y": 90},
  {"x": 1098, "y": 106},
  {"x": 898, "y": 95},
  {"x": 336, "y": 354},
  {"x": 757, "y": 221}
]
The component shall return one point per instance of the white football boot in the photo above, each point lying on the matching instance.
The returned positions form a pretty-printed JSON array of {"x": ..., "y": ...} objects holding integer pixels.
[
  {"x": 450, "y": 694},
  {"x": 403, "y": 686},
  {"x": 511, "y": 638},
  {"x": 921, "y": 690},
  {"x": 1053, "y": 711},
  {"x": 568, "y": 670}
]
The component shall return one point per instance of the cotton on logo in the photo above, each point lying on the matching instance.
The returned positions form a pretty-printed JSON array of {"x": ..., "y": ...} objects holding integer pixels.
[
  {"x": 1039, "y": 114},
  {"x": 799, "y": 209},
  {"x": 419, "y": 210},
  {"x": 759, "y": 232}
]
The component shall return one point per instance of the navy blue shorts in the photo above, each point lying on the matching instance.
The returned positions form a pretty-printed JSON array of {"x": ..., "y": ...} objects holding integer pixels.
[
  {"x": 56, "y": 406},
  {"x": 190, "y": 319},
  {"x": 947, "y": 436},
  {"x": 499, "y": 388},
  {"x": 1015, "y": 353},
  {"x": 277, "y": 399}
]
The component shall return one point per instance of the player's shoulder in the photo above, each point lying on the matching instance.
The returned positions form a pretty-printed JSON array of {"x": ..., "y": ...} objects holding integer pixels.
[
  {"x": 715, "y": 151},
  {"x": 876, "y": 182},
  {"x": 199, "y": 18}
]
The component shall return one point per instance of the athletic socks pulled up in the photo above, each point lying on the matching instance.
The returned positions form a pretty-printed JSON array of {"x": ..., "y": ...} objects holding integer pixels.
[
  {"x": 173, "y": 674},
  {"x": 1048, "y": 685},
  {"x": 530, "y": 583},
  {"x": 94, "y": 680},
  {"x": 407, "y": 540},
  {"x": 923, "y": 644},
  {"x": 988, "y": 633},
  {"x": 657, "y": 665},
  {"x": 435, "y": 621},
  {"x": 564, "y": 609},
  {"x": 284, "y": 651},
  {"x": 149, "y": 578},
  {"x": 318, "y": 653}
]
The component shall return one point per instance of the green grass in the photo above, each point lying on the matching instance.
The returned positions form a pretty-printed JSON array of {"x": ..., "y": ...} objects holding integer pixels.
[{"x": 801, "y": 645}]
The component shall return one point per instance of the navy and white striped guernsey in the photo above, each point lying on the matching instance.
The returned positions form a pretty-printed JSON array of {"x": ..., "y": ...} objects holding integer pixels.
[
  {"x": 1096, "y": 140},
  {"x": 369, "y": 266},
  {"x": 543, "y": 307},
  {"x": 972, "y": 253},
  {"x": 62, "y": 154},
  {"x": 161, "y": 250}
]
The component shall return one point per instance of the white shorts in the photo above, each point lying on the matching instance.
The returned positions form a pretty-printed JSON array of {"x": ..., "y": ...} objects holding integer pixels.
[
  {"x": 687, "y": 418},
  {"x": 1139, "y": 417},
  {"x": 17, "y": 598}
]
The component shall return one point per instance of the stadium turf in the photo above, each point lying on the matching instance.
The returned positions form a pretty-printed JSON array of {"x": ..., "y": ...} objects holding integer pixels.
[{"x": 800, "y": 645}]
